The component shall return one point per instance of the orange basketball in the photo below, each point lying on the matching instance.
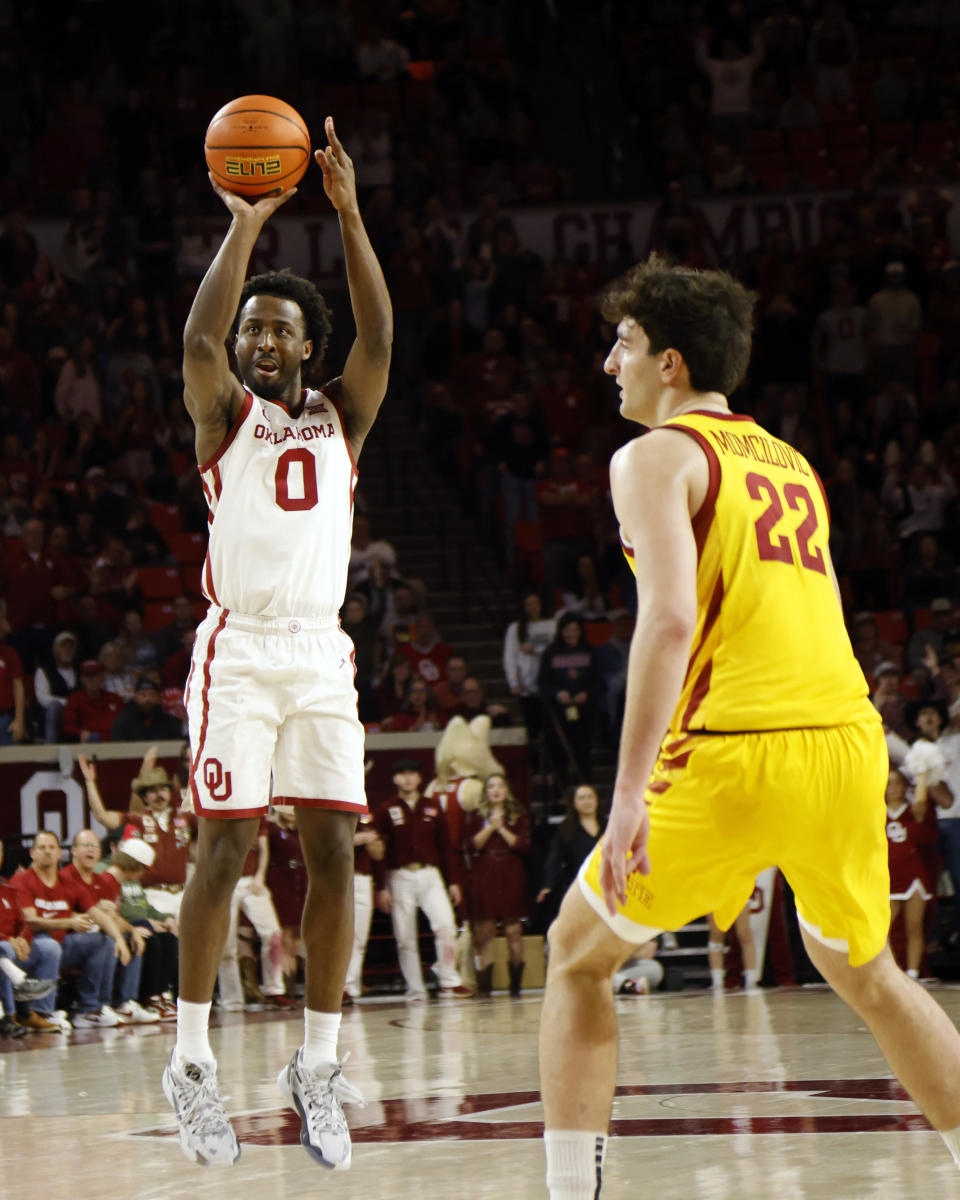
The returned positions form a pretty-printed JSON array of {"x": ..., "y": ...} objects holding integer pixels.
[{"x": 257, "y": 146}]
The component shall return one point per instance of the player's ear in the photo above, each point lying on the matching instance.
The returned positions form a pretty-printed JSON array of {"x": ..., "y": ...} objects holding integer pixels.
[{"x": 307, "y": 349}]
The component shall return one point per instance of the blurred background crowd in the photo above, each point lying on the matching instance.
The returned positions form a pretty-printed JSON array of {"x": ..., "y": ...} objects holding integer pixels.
[{"x": 462, "y": 116}]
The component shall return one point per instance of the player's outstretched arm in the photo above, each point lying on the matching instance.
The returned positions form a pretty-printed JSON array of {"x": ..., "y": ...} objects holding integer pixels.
[
  {"x": 364, "y": 382},
  {"x": 211, "y": 392}
]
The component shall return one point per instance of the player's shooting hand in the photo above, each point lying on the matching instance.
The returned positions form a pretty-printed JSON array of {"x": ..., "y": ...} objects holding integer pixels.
[
  {"x": 624, "y": 848},
  {"x": 339, "y": 180},
  {"x": 259, "y": 211}
]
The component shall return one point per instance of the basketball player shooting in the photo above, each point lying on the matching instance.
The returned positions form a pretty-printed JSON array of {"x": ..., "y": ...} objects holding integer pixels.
[
  {"x": 773, "y": 753},
  {"x": 270, "y": 691}
]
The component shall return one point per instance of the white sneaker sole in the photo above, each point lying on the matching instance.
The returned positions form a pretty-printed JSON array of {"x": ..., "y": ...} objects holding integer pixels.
[
  {"x": 189, "y": 1153},
  {"x": 286, "y": 1090}
]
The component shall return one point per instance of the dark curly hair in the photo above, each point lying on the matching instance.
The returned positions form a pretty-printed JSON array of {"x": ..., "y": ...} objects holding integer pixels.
[
  {"x": 316, "y": 316},
  {"x": 706, "y": 315}
]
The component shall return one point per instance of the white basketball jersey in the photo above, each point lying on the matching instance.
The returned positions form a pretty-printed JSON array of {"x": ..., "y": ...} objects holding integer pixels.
[{"x": 280, "y": 493}]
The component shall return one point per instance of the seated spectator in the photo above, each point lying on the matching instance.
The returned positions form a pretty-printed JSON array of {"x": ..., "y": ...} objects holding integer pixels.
[
  {"x": 932, "y": 639},
  {"x": 90, "y": 712},
  {"x": 448, "y": 692},
  {"x": 13, "y": 708},
  {"x": 393, "y": 690},
  {"x": 117, "y": 676},
  {"x": 419, "y": 711},
  {"x": 176, "y": 667},
  {"x": 168, "y": 830},
  {"x": 396, "y": 629},
  {"x": 33, "y": 590},
  {"x": 567, "y": 507},
  {"x": 524, "y": 643},
  {"x": 362, "y": 631},
  {"x": 158, "y": 980},
  {"x": 568, "y": 685},
  {"x": 368, "y": 849},
  {"x": 17, "y": 984},
  {"x": 868, "y": 647},
  {"x": 141, "y": 537},
  {"x": 251, "y": 896},
  {"x": 124, "y": 967},
  {"x": 143, "y": 719},
  {"x": 473, "y": 703},
  {"x": 427, "y": 651},
  {"x": 53, "y": 681},
  {"x": 930, "y": 573},
  {"x": 894, "y": 318},
  {"x": 918, "y": 499},
  {"x": 169, "y": 638},
  {"x": 57, "y": 913},
  {"x": 887, "y": 700},
  {"x": 138, "y": 649},
  {"x": 587, "y": 598},
  {"x": 496, "y": 837},
  {"x": 91, "y": 621},
  {"x": 363, "y": 550}
]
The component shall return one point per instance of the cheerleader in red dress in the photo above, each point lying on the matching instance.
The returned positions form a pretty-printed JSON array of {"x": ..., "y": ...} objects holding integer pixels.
[
  {"x": 496, "y": 836},
  {"x": 287, "y": 881},
  {"x": 914, "y": 866}
]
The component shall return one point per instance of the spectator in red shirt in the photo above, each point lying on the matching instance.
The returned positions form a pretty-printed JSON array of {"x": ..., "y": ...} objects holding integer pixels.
[
  {"x": 427, "y": 651},
  {"x": 420, "y": 863},
  {"x": 393, "y": 690},
  {"x": 16, "y": 954},
  {"x": 287, "y": 881},
  {"x": 449, "y": 691},
  {"x": 89, "y": 713},
  {"x": 125, "y": 967},
  {"x": 166, "y": 829},
  {"x": 567, "y": 507},
  {"x": 12, "y": 694},
  {"x": 33, "y": 591},
  {"x": 419, "y": 711},
  {"x": 57, "y": 912}
]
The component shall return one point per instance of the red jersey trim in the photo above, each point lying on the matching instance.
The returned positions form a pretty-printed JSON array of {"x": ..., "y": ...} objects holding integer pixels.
[
  {"x": 205, "y": 691},
  {"x": 702, "y": 684},
  {"x": 627, "y": 549},
  {"x": 704, "y": 515},
  {"x": 659, "y": 786},
  {"x": 823, "y": 490},
  {"x": 230, "y": 814},
  {"x": 231, "y": 433},
  {"x": 332, "y": 805}
]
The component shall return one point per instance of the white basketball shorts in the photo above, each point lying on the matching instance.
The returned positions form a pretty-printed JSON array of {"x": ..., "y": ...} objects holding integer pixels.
[{"x": 273, "y": 700}]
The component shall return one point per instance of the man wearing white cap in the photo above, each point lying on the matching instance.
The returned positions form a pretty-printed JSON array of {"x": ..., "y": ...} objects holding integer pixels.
[{"x": 53, "y": 681}]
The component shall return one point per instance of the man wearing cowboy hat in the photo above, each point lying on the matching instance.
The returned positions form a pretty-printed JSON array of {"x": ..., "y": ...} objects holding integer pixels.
[{"x": 167, "y": 829}]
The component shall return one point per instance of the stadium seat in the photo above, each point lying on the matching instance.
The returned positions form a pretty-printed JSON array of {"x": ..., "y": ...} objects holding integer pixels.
[
  {"x": 166, "y": 518},
  {"x": 597, "y": 632},
  {"x": 156, "y": 614},
  {"x": 187, "y": 548},
  {"x": 191, "y": 576},
  {"x": 159, "y": 583},
  {"x": 892, "y": 626}
]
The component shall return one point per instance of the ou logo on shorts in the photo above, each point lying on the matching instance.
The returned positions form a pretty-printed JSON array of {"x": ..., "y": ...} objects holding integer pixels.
[{"x": 215, "y": 777}]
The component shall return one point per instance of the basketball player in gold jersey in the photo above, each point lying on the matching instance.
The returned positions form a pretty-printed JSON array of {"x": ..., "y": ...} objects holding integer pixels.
[{"x": 772, "y": 755}]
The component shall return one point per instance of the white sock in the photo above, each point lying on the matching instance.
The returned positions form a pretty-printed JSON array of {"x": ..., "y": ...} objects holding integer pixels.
[
  {"x": 14, "y": 973},
  {"x": 717, "y": 977},
  {"x": 574, "y": 1163},
  {"x": 193, "y": 1044},
  {"x": 320, "y": 1038},
  {"x": 750, "y": 978},
  {"x": 952, "y": 1138}
]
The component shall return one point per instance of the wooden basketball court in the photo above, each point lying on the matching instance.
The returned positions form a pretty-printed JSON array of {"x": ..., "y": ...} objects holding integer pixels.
[{"x": 781, "y": 1094}]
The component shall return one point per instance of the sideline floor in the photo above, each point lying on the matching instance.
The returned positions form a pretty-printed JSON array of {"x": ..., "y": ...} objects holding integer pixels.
[{"x": 781, "y": 1094}]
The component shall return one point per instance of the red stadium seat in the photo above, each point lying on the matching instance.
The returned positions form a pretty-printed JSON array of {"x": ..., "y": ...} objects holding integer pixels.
[
  {"x": 156, "y": 614},
  {"x": 159, "y": 583},
  {"x": 166, "y": 517},
  {"x": 191, "y": 577},
  {"x": 597, "y": 632},
  {"x": 892, "y": 626},
  {"x": 187, "y": 548}
]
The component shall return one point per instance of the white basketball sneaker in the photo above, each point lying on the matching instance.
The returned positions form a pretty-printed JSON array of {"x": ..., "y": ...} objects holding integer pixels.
[
  {"x": 206, "y": 1135},
  {"x": 131, "y": 1013},
  {"x": 317, "y": 1096}
]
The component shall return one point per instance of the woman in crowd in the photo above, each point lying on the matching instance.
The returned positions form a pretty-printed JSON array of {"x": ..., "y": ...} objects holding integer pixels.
[
  {"x": 568, "y": 683},
  {"x": 287, "y": 881},
  {"x": 524, "y": 644},
  {"x": 577, "y": 834},
  {"x": 496, "y": 837}
]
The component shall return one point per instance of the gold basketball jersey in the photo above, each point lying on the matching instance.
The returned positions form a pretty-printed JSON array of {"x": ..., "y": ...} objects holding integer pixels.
[{"x": 770, "y": 649}]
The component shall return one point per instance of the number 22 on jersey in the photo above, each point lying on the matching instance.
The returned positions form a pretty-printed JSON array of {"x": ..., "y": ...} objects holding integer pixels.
[{"x": 781, "y": 547}]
